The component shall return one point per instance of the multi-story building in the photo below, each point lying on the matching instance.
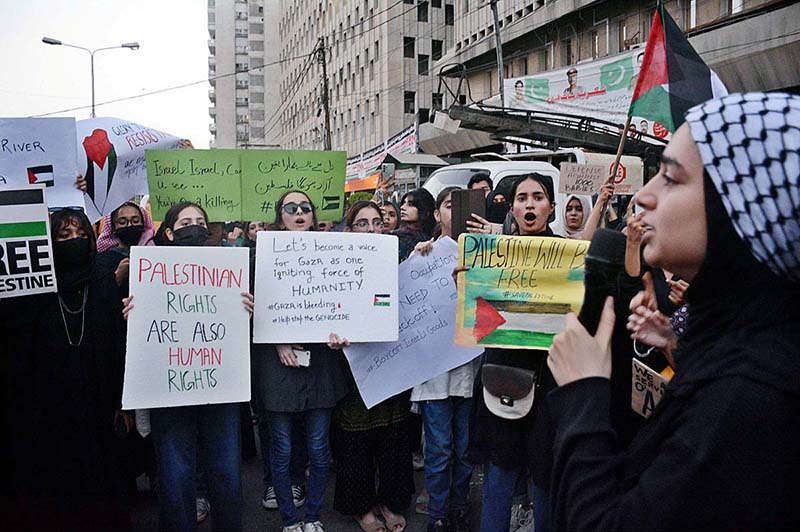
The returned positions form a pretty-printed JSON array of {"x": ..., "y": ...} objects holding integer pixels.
[
  {"x": 242, "y": 70},
  {"x": 751, "y": 44},
  {"x": 379, "y": 59}
]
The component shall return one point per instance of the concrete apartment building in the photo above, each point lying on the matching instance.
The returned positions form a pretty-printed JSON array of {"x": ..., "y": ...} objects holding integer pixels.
[
  {"x": 751, "y": 44},
  {"x": 379, "y": 56},
  {"x": 243, "y": 42}
]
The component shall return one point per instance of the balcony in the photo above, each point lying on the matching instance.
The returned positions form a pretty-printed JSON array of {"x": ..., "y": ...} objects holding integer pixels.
[
  {"x": 212, "y": 46},
  {"x": 212, "y": 112},
  {"x": 242, "y": 102},
  {"x": 212, "y": 95},
  {"x": 242, "y": 84},
  {"x": 242, "y": 137},
  {"x": 212, "y": 128}
]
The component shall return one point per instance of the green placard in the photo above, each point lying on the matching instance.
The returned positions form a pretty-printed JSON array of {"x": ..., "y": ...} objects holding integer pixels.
[
  {"x": 211, "y": 178},
  {"x": 268, "y": 174}
]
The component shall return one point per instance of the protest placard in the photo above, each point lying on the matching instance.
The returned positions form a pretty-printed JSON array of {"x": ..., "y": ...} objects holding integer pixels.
[
  {"x": 581, "y": 179},
  {"x": 517, "y": 290},
  {"x": 41, "y": 151},
  {"x": 188, "y": 333},
  {"x": 311, "y": 284},
  {"x": 26, "y": 253},
  {"x": 210, "y": 178},
  {"x": 111, "y": 156},
  {"x": 268, "y": 174},
  {"x": 424, "y": 348},
  {"x": 647, "y": 388}
]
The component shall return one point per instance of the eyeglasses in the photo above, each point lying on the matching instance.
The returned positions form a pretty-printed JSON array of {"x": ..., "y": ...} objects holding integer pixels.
[
  {"x": 365, "y": 224},
  {"x": 291, "y": 208},
  {"x": 125, "y": 222}
]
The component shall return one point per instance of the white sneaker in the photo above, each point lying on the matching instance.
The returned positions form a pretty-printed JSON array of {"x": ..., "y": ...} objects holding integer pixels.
[
  {"x": 203, "y": 507},
  {"x": 294, "y": 528},
  {"x": 298, "y": 496},
  {"x": 316, "y": 526}
]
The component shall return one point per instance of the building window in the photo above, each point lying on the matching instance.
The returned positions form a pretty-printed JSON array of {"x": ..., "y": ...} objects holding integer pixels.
[
  {"x": 424, "y": 115},
  {"x": 422, "y": 12},
  {"x": 465, "y": 6},
  {"x": 371, "y": 70},
  {"x": 409, "y": 102},
  {"x": 422, "y": 65},
  {"x": 692, "y": 13},
  {"x": 408, "y": 2},
  {"x": 449, "y": 14},
  {"x": 436, "y": 3},
  {"x": 408, "y": 47},
  {"x": 566, "y": 52},
  {"x": 438, "y": 100},
  {"x": 595, "y": 37},
  {"x": 436, "y": 50},
  {"x": 736, "y": 6}
]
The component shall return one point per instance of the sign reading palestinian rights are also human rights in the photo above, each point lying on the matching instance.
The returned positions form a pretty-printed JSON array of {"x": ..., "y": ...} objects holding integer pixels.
[
  {"x": 40, "y": 151},
  {"x": 26, "y": 253},
  {"x": 188, "y": 333},
  {"x": 517, "y": 291},
  {"x": 311, "y": 284}
]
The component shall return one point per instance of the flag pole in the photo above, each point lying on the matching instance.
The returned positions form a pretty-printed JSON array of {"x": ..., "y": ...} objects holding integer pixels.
[{"x": 615, "y": 164}]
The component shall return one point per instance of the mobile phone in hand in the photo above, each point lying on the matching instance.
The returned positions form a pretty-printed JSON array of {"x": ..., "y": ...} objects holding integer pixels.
[{"x": 303, "y": 357}]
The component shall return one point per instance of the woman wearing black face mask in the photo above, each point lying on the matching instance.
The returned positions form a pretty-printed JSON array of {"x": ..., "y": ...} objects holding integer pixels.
[
  {"x": 62, "y": 367},
  {"x": 177, "y": 430},
  {"x": 126, "y": 226}
]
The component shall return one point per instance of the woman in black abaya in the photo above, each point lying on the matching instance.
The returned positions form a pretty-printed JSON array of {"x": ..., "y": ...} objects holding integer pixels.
[
  {"x": 720, "y": 451},
  {"x": 63, "y": 368}
]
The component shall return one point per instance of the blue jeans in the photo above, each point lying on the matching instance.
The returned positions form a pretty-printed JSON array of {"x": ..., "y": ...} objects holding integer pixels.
[
  {"x": 447, "y": 470},
  {"x": 318, "y": 422},
  {"x": 176, "y": 432},
  {"x": 297, "y": 467},
  {"x": 498, "y": 491}
]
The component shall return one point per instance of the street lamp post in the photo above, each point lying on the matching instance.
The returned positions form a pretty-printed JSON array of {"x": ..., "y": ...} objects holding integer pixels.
[{"x": 56, "y": 42}]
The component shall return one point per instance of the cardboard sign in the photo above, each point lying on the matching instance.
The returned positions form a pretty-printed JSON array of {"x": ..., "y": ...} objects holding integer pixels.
[
  {"x": 111, "y": 156},
  {"x": 517, "y": 290},
  {"x": 188, "y": 333},
  {"x": 26, "y": 253},
  {"x": 647, "y": 388},
  {"x": 269, "y": 174},
  {"x": 210, "y": 178},
  {"x": 424, "y": 348},
  {"x": 41, "y": 151},
  {"x": 581, "y": 179},
  {"x": 311, "y": 284}
]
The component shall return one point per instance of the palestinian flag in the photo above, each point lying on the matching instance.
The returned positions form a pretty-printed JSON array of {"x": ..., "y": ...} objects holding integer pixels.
[
  {"x": 518, "y": 322},
  {"x": 673, "y": 77}
]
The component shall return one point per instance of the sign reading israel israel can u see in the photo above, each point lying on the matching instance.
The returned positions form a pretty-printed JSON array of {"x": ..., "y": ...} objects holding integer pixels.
[
  {"x": 26, "y": 254},
  {"x": 517, "y": 290}
]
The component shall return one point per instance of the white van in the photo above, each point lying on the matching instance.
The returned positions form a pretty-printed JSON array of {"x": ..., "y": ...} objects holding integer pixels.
[{"x": 503, "y": 175}]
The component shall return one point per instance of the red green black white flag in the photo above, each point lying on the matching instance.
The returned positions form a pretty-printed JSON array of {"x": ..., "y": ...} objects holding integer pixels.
[{"x": 673, "y": 78}]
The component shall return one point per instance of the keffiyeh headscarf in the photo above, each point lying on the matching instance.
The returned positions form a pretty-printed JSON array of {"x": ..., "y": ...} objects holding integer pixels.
[
  {"x": 108, "y": 239},
  {"x": 750, "y": 146}
]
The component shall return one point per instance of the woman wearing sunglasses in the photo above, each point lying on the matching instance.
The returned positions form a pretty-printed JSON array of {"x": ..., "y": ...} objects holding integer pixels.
[{"x": 294, "y": 380}]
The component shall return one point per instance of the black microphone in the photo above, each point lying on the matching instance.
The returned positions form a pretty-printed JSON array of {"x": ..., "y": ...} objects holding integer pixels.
[{"x": 604, "y": 260}]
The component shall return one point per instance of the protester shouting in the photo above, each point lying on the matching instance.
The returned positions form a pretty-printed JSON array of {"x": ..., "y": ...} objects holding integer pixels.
[
  {"x": 513, "y": 448},
  {"x": 286, "y": 389},
  {"x": 176, "y": 431},
  {"x": 445, "y": 403},
  {"x": 720, "y": 450},
  {"x": 63, "y": 360},
  {"x": 374, "y": 438}
]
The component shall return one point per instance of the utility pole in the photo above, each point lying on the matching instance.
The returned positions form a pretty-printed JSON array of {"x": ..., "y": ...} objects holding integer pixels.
[
  {"x": 325, "y": 103},
  {"x": 501, "y": 71}
]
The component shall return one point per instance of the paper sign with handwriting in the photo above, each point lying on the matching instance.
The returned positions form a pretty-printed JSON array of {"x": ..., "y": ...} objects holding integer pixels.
[
  {"x": 582, "y": 179},
  {"x": 517, "y": 290},
  {"x": 188, "y": 333},
  {"x": 41, "y": 151},
  {"x": 311, "y": 284},
  {"x": 268, "y": 174},
  {"x": 424, "y": 349},
  {"x": 210, "y": 178}
]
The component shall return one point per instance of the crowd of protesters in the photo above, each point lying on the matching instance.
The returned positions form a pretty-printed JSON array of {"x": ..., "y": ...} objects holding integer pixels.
[{"x": 708, "y": 294}]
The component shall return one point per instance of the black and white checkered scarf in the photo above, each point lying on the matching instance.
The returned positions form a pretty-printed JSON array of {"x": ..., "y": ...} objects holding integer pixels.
[{"x": 750, "y": 145}]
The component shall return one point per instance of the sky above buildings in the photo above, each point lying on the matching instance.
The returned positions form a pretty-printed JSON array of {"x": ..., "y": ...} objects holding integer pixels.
[{"x": 38, "y": 78}]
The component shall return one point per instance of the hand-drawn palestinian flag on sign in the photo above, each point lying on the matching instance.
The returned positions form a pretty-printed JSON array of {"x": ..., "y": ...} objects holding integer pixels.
[
  {"x": 518, "y": 322},
  {"x": 673, "y": 77}
]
